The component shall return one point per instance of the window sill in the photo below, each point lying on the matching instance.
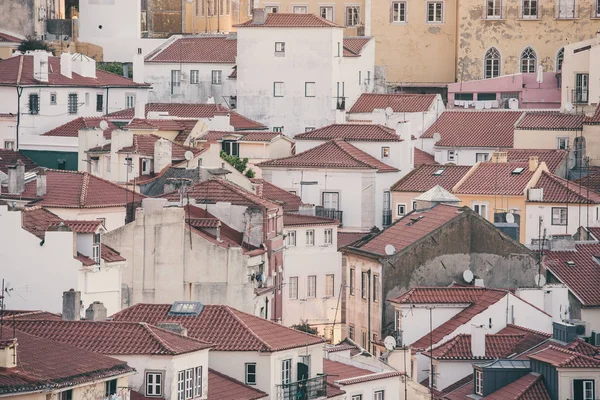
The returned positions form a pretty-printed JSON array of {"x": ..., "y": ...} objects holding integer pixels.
[
  {"x": 399, "y": 23},
  {"x": 529, "y": 19},
  {"x": 566, "y": 19},
  {"x": 435, "y": 22},
  {"x": 493, "y": 19}
]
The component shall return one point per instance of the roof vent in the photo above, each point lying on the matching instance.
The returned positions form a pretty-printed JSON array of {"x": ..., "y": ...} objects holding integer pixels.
[
  {"x": 517, "y": 171},
  {"x": 438, "y": 172},
  {"x": 570, "y": 263},
  {"x": 415, "y": 220},
  {"x": 185, "y": 308}
]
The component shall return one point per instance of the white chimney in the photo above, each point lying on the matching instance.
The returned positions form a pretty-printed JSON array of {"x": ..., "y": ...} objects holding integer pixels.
[
  {"x": 40, "y": 65},
  {"x": 16, "y": 178},
  {"x": 478, "y": 340},
  {"x": 138, "y": 67},
  {"x": 66, "y": 65},
  {"x": 40, "y": 183},
  {"x": 140, "y": 109},
  {"x": 403, "y": 130},
  {"x": 340, "y": 116},
  {"x": 83, "y": 65},
  {"x": 259, "y": 16},
  {"x": 162, "y": 154},
  {"x": 8, "y": 353}
]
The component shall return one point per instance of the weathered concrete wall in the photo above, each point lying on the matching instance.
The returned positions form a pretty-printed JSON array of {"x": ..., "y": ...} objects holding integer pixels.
[
  {"x": 165, "y": 17},
  {"x": 17, "y": 16}
]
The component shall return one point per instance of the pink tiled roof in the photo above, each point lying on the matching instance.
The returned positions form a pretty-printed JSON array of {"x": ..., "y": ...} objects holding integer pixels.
[
  {"x": 283, "y": 20},
  {"x": 355, "y": 44},
  {"x": 491, "y": 178},
  {"x": 244, "y": 136},
  {"x": 594, "y": 119},
  {"x": 528, "y": 387},
  {"x": 223, "y": 387},
  {"x": 409, "y": 229},
  {"x": 200, "y": 218},
  {"x": 335, "y": 154},
  {"x": 143, "y": 144},
  {"x": 113, "y": 338},
  {"x": 553, "y": 158},
  {"x": 399, "y": 102},
  {"x": 10, "y": 157},
  {"x": 591, "y": 180},
  {"x": 290, "y": 219},
  {"x": 77, "y": 226},
  {"x": 19, "y": 71},
  {"x": 72, "y": 128},
  {"x": 421, "y": 157},
  {"x": 31, "y": 315},
  {"x": 344, "y": 374},
  {"x": 197, "y": 49},
  {"x": 422, "y": 178},
  {"x": 475, "y": 128},
  {"x": 290, "y": 201},
  {"x": 563, "y": 358},
  {"x": 550, "y": 120},
  {"x": 9, "y": 39},
  {"x": 559, "y": 190},
  {"x": 227, "y": 328},
  {"x": 351, "y": 132},
  {"x": 188, "y": 111},
  {"x": 582, "y": 347},
  {"x": 346, "y": 238}
]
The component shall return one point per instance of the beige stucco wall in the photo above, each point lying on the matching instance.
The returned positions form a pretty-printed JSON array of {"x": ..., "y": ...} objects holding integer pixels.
[
  {"x": 542, "y": 139},
  {"x": 592, "y": 318},
  {"x": 405, "y": 198},
  {"x": 581, "y": 62},
  {"x": 591, "y": 133},
  {"x": 565, "y": 381},
  {"x": 95, "y": 390}
]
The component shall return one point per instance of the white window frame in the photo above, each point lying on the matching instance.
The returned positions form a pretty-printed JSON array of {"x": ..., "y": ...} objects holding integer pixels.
[
  {"x": 591, "y": 389},
  {"x": 310, "y": 89},
  {"x": 290, "y": 239},
  {"x": 216, "y": 77},
  {"x": 567, "y": 9},
  {"x": 385, "y": 152},
  {"x": 482, "y": 157},
  {"x": 399, "y": 213},
  {"x": 198, "y": 382},
  {"x": 73, "y": 106},
  {"x": 329, "y": 285},
  {"x": 379, "y": 395},
  {"x": 146, "y": 166},
  {"x": 530, "y": 9},
  {"x": 481, "y": 209},
  {"x": 271, "y": 9},
  {"x": 528, "y": 60},
  {"x": 478, "y": 382},
  {"x": 352, "y": 15},
  {"x": 154, "y": 389},
  {"x": 437, "y": 6},
  {"x": 311, "y": 287},
  {"x": 451, "y": 155},
  {"x": 278, "y": 89},
  {"x": 194, "y": 76},
  {"x": 279, "y": 48},
  {"x": 286, "y": 371},
  {"x": 297, "y": 9},
  {"x": 328, "y": 236},
  {"x": 324, "y": 14},
  {"x": 399, "y": 12},
  {"x": 364, "y": 285},
  {"x": 96, "y": 247},
  {"x": 293, "y": 288},
  {"x": 250, "y": 374},
  {"x": 310, "y": 237},
  {"x": 175, "y": 81},
  {"x": 496, "y": 9},
  {"x": 181, "y": 385},
  {"x": 189, "y": 383},
  {"x": 560, "y": 140},
  {"x": 53, "y": 97},
  {"x": 560, "y": 216},
  {"x": 491, "y": 63},
  {"x": 356, "y": 397},
  {"x": 375, "y": 280},
  {"x": 9, "y": 144}
]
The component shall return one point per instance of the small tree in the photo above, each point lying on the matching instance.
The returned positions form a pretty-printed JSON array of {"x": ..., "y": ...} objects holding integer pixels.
[
  {"x": 250, "y": 173},
  {"x": 32, "y": 43},
  {"x": 305, "y": 327},
  {"x": 238, "y": 163},
  {"x": 113, "y": 67}
]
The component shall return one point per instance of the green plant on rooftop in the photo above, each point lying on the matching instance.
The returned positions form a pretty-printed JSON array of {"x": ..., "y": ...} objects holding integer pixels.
[
  {"x": 31, "y": 43},
  {"x": 303, "y": 326},
  {"x": 250, "y": 173},
  {"x": 114, "y": 68},
  {"x": 235, "y": 161}
]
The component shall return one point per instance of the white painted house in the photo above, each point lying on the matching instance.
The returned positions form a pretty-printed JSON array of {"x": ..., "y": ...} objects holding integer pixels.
[{"x": 296, "y": 71}]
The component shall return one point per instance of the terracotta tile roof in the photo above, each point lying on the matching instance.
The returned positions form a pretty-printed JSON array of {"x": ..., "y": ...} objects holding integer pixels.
[
  {"x": 528, "y": 387},
  {"x": 355, "y": 44},
  {"x": 10, "y": 157},
  {"x": 559, "y": 190},
  {"x": 290, "y": 219},
  {"x": 346, "y": 238},
  {"x": 143, "y": 144},
  {"x": 405, "y": 231},
  {"x": 113, "y": 338},
  {"x": 227, "y": 328},
  {"x": 592, "y": 180},
  {"x": 289, "y": 201},
  {"x": 245, "y": 136},
  {"x": 399, "y": 102},
  {"x": 9, "y": 39},
  {"x": 19, "y": 71},
  {"x": 563, "y": 358},
  {"x": 72, "y": 128},
  {"x": 550, "y": 120},
  {"x": 333, "y": 391},
  {"x": 583, "y": 278},
  {"x": 530, "y": 338},
  {"x": 335, "y": 154},
  {"x": 593, "y": 119},
  {"x": 43, "y": 364},
  {"x": 197, "y": 49},
  {"x": 421, "y": 157},
  {"x": 189, "y": 111},
  {"x": 463, "y": 392},
  {"x": 351, "y": 132},
  {"x": 422, "y": 178},
  {"x": 286, "y": 20},
  {"x": 553, "y": 158},
  {"x": 491, "y": 178},
  {"x": 475, "y": 128},
  {"x": 9, "y": 315},
  {"x": 74, "y": 189},
  {"x": 81, "y": 226},
  {"x": 340, "y": 374},
  {"x": 223, "y": 387},
  {"x": 200, "y": 218},
  {"x": 135, "y": 395}
]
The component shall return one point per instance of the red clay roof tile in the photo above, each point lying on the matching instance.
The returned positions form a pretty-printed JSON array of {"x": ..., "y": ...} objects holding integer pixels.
[
  {"x": 421, "y": 158},
  {"x": 223, "y": 387},
  {"x": 559, "y": 190},
  {"x": 4, "y": 37},
  {"x": 283, "y": 20},
  {"x": 491, "y": 178},
  {"x": 355, "y": 44},
  {"x": 399, "y": 102},
  {"x": 553, "y": 158},
  {"x": 72, "y": 128},
  {"x": 197, "y": 49},
  {"x": 290, "y": 219},
  {"x": 346, "y": 238},
  {"x": 351, "y": 132},
  {"x": 10, "y": 157},
  {"x": 423, "y": 178},
  {"x": 563, "y": 358},
  {"x": 288, "y": 200},
  {"x": 244, "y": 136},
  {"x": 550, "y": 120},
  {"x": 528, "y": 387}
]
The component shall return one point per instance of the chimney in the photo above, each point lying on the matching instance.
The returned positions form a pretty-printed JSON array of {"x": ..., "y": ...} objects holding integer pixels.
[
  {"x": 40, "y": 65},
  {"x": 66, "y": 65},
  {"x": 499, "y": 157},
  {"x": 406, "y": 157},
  {"x": 259, "y": 16},
  {"x": 96, "y": 312},
  {"x": 40, "y": 183},
  {"x": 140, "y": 109},
  {"x": 478, "y": 340},
  {"x": 8, "y": 353},
  {"x": 16, "y": 178},
  {"x": 533, "y": 163},
  {"x": 173, "y": 327},
  {"x": 340, "y": 116},
  {"x": 562, "y": 243},
  {"x": 138, "y": 67},
  {"x": 83, "y": 65},
  {"x": 162, "y": 154},
  {"x": 71, "y": 310}
]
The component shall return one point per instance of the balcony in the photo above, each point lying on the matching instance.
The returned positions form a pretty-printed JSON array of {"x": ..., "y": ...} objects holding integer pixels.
[
  {"x": 580, "y": 96},
  {"x": 331, "y": 213},
  {"x": 567, "y": 10},
  {"x": 306, "y": 389},
  {"x": 340, "y": 103},
  {"x": 387, "y": 218}
]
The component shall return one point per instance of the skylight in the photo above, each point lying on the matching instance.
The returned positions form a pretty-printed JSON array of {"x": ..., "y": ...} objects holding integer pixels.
[
  {"x": 181, "y": 308},
  {"x": 438, "y": 172},
  {"x": 570, "y": 263},
  {"x": 518, "y": 170}
]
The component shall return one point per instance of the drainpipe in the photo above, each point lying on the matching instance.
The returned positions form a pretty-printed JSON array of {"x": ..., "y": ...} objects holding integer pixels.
[
  {"x": 19, "y": 93},
  {"x": 369, "y": 314}
]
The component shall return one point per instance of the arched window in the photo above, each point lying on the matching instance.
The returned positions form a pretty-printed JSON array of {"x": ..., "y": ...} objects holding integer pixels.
[
  {"x": 560, "y": 56},
  {"x": 528, "y": 60},
  {"x": 492, "y": 63}
]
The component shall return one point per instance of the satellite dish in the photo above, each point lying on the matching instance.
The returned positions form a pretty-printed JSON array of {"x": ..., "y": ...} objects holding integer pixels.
[
  {"x": 188, "y": 155},
  {"x": 389, "y": 342},
  {"x": 510, "y": 218},
  {"x": 568, "y": 106},
  {"x": 390, "y": 249},
  {"x": 468, "y": 276},
  {"x": 540, "y": 280},
  {"x": 389, "y": 111},
  {"x": 103, "y": 125},
  {"x": 437, "y": 137}
]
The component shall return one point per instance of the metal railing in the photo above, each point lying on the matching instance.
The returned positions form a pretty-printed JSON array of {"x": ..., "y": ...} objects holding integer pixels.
[
  {"x": 580, "y": 96},
  {"x": 306, "y": 389},
  {"x": 532, "y": 11},
  {"x": 493, "y": 11},
  {"x": 387, "y": 218},
  {"x": 340, "y": 103},
  {"x": 329, "y": 213},
  {"x": 566, "y": 11}
]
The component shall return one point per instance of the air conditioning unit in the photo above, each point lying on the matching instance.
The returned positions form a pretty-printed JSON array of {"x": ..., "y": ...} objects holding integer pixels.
[
  {"x": 594, "y": 339},
  {"x": 536, "y": 194}
]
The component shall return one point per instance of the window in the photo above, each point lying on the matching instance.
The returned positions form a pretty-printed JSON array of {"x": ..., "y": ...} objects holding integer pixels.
[
  {"x": 435, "y": 11},
  {"x": 479, "y": 382},
  {"x": 328, "y": 236},
  {"x": 217, "y": 77},
  {"x": 583, "y": 389},
  {"x": 189, "y": 383},
  {"x": 397, "y": 318},
  {"x": 61, "y": 164},
  {"x": 250, "y": 373},
  {"x": 110, "y": 387},
  {"x": 96, "y": 248},
  {"x": 481, "y": 157},
  {"x": 34, "y": 103},
  {"x": 300, "y": 10},
  {"x": 597, "y": 11},
  {"x": 272, "y": 9},
  {"x": 351, "y": 331},
  {"x": 194, "y": 77},
  {"x": 401, "y": 210},
  {"x": 451, "y": 155},
  {"x": 153, "y": 384},
  {"x": 433, "y": 379},
  {"x": 331, "y": 200},
  {"x": 352, "y": 16},
  {"x": 379, "y": 395},
  {"x": 365, "y": 339},
  {"x": 53, "y": 99},
  {"x": 286, "y": 371},
  {"x": 87, "y": 99},
  {"x": 528, "y": 60},
  {"x": 293, "y": 288},
  {"x": 310, "y": 89},
  {"x": 278, "y": 129},
  {"x": 326, "y": 12},
  {"x": 310, "y": 237},
  {"x": 566, "y": 9},
  {"x": 146, "y": 164},
  {"x": 375, "y": 288},
  {"x": 481, "y": 209},
  {"x": 492, "y": 63},
  {"x": 308, "y": 129},
  {"x": 9, "y": 144},
  {"x": 278, "y": 89},
  {"x": 175, "y": 81},
  {"x": 385, "y": 152},
  {"x": 221, "y": 7},
  {"x": 560, "y": 56},
  {"x": 231, "y": 147},
  {"x": 559, "y": 215},
  {"x": 66, "y": 395},
  {"x": 290, "y": 239},
  {"x": 562, "y": 143},
  {"x": 99, "y": 102},
  {"x": 364, "y": 287},
  {"x": 357, "y": 397},
  {"x": 181, "y": 385},
  {"x": 329, "y": 285},
  {"x": 493, "y": 9},
  {"x": 198, "y": 382},
  {"x": 311, "y": 287},
  {"x": 129, "y": 101},
  {"x": 414, "y": 205},
  {"x": 530, "y": 9},
  {"x": 581, "y": 88},
  {"x": 352, "y": 272},
  {"x": 399, "y": 11},
  {"x": 368, "y": 80},
  {"x": 279, "y": 48}
]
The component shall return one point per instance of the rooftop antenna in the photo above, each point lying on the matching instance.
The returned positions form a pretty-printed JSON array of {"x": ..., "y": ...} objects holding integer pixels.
[{"x": 390, "y": 250}]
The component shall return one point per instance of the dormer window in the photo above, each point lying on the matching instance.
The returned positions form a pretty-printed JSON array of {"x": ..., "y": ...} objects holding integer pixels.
[
  {"x": 479, "y": 382},
  {"x": 96, "y": 248},
  {"x": 517, "y": 171},
  {"x": 438, "y": 172}
]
